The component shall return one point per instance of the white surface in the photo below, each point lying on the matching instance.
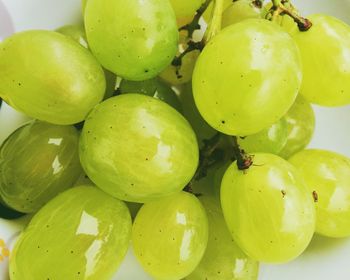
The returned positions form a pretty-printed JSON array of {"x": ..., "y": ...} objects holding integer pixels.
[{"x": 325, "y": 259}]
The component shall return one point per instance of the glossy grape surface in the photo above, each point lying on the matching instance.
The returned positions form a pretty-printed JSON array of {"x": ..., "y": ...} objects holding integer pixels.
[
  {"x": 328, "y": 175},
  {"x": 154, "y": 88},
  {"x": 270, "y": 140},
  {"x": 137, "y": 45},
  {"x": 38, "y": 161},
  {"x": 325, "y": 51},
  {"x": 170, "y": 236},
  {"x": 81, "y": 234},
  {"x": 138, "y": 148},
  {"x": 49, "y": 77},
  {"x": 236, "y": 77},
  {"x": 301, "y": 127},
  {"x": 268, "y": 209},
  {"x": 238, "y": 11},
  {"x": 223, "y": 259}
]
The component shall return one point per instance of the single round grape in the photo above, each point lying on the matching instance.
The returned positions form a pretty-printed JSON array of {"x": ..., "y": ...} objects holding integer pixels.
[
  {"x": 270, "y": 140},
  {"x": 239, "y": 11},
  {"x": 49, "y": 77},
  {"x": 177, "y": 75},
  {"x": 327, "y": 175},
  {"x": 186, "y": 8},
  {"x": 38, "y": 161},
  {"x": 154, "y": 88},
  {"x": 170, "y": 236},
  {"x": 77, "y": 33},
  {"x": 138, "y": 148},
  {"x": 237, "y": 76},
  {"x": 301, "y": 126},
  {"x": 326, "y": 64},
  {"x": 223, "y": 259},
  {"x": 268, "y": 209},
  {"x": 81, "y": 234},
  {"x": 136, "y": 46}
]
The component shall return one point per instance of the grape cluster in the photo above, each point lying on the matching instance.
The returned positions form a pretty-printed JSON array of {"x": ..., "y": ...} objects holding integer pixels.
[{"x": 153, "y": 125}]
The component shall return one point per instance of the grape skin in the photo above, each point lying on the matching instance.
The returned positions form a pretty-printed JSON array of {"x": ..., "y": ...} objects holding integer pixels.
[
  {"x": 170, "y": 235},
  {"x": 49, "y": 77},
  {"x": 81, "y": 234},
  {"x": 137, "y": 46},
  {"x": 326, "y": 66},
  {"x": 235, "y": 81},
  {"x": 268, "y": 209},
  {"x": 38, "y": 161},
  {"x": 186, "y": 8},
  {"x": 223, "y": 259},
  {"x": 238, "y": 11},
  {"x": 138, "y": 148},
  {"x": 328, "y": 175}
]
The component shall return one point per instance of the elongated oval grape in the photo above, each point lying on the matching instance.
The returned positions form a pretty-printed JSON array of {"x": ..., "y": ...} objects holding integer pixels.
[
  {"x": 138, "y": 148},
  {"x": 240, "y": 10},
  {"x": 170, "y": 236},
  {"x": 301, "y": 126},
  {"x": 270, "y": 140},
  {"x": 326, "y": 64},
  {"x": 153, "y": 87},
  {"x": 49, "y": 77},
  {"x": 77, "y": 33},
  {"x": 38, "y": 161},
  {"x": 136, "y": 46},
  {"x": 268, "y": 209},
  {"x": 177, "y": 75},
  {"x": 223, "y": 259},
  {"x": 83, "y": 231},
  {"x": 327, "y": 175},
  {"x": 235, "y": 81}
]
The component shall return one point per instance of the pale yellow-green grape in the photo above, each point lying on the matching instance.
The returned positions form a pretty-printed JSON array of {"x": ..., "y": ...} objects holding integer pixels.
[
  {"x": 170, "y": 235},
  {"x": 49, "y": 77},
  {"x": 325, "y": 49},
  {"x": 223, "y": 259},
  {"x": 134, "y": 39},
  {"x": 77, "y": 32},
  {"x": 240, "y": 10},
  {"x": 191, "y": 113},
  {"x": 182, "y": 74},
  {"x": 327, "y": 175},
  {"x": 37, "y": 162},
  {"x": 268, "y": 209},
  {"x": 270, "y": 140},
  {"x": 301, "y": 126},
  {"x": 186, "y": 8},
  {"x": 81, "y": 234},
  {"x": 208, "y": 13},
  {"x": 236, "y": 77},
  {"x": 138, "y": 148}
]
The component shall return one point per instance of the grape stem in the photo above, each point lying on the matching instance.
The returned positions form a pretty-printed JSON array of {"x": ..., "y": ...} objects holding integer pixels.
[
  {"x": 284, "y": 7},
  {"x": 244, "y": 161},
  {"x": 216, "y": 20}
]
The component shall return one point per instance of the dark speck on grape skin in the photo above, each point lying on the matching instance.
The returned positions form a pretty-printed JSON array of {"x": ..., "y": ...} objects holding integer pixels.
[
  {"x": 283, "y": 193},
  {"x": 223, "y": 122}
]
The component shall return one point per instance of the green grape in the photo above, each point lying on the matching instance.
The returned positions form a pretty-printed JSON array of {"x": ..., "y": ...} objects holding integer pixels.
[
  {"x": 239, "y": 72},
  {"x": 77, "y": 33},
  {"x": 182, "y": 74},
  {"x": 138, "y": 148},
  {"x": 81, "y": 234},
  {"x": 49, "y": 77},
  {"x": 136, "y": 46},
  {"x": 208, "y": 13},
  {"x": 325, "y": 49},
  {"x": 239, "y": 11},
  {"x": 154, "y": 88},
  {"x": 38, "y": 161},
  {"x": 186, "y": 8},
  {"x": 327, "y": 175},
  {"x": 301, "y": 126},
  {"x": 223, "y": 259},
  {"x": 191, "y": 113},
  {"x": 170, "y": 236},
  {"x": 270, "y": 140},
  {"x": 268, "y": 209}
]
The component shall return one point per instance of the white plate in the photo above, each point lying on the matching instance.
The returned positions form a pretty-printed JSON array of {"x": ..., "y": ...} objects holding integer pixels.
[{"x": 325, "y": 259}]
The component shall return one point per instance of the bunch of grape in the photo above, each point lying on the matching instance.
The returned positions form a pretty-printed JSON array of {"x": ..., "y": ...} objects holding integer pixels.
[{"x": 194, "y": 116}]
